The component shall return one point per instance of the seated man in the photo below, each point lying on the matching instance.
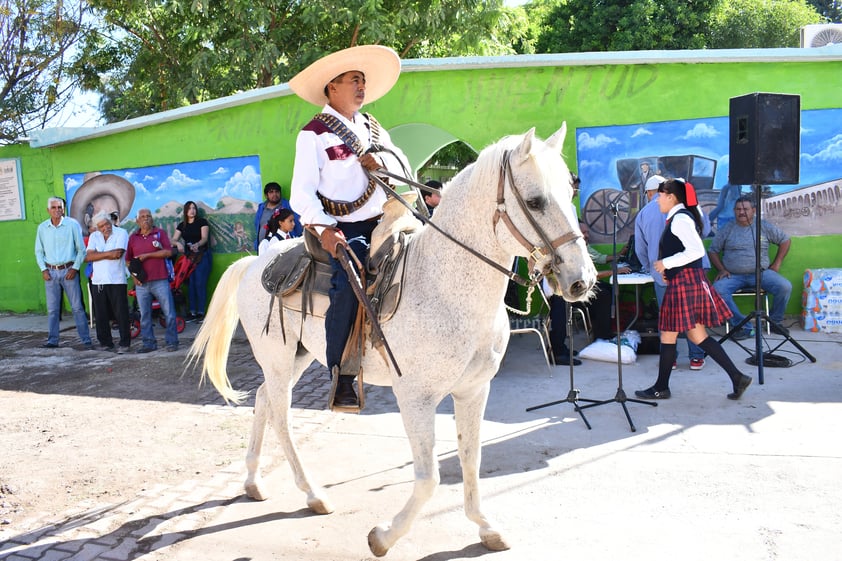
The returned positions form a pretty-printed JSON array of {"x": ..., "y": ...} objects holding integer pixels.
[
  {"x": 732, "y": 253},
  {"x": 599, "y": 307}
]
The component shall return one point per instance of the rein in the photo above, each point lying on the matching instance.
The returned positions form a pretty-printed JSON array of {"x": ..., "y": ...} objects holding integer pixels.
[
  {"x": 512, "y": 275},
  {"x": 535, "y": 252}
]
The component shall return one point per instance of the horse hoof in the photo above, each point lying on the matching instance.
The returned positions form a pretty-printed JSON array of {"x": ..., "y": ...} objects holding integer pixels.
[
  {"x": 253, "y": 492},
  {"x": 376, "y": 541},
  {"x": 493, "y": 541},
  {"x": 319, "y": 505}
]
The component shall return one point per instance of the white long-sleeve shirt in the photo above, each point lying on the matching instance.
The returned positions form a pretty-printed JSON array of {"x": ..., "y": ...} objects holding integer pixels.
[
  {"x": 324, "y": 164},
  {"x": 684, "y": 227}
]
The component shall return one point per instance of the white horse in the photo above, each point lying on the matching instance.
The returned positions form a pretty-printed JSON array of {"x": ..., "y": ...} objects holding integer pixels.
[{"x": 449, "y": 334}]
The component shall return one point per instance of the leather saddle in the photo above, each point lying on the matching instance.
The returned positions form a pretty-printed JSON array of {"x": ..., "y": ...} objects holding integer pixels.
[{"x": 300, "y": 275}]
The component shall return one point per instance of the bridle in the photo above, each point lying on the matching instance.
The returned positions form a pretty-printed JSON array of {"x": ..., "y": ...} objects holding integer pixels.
[{"x": 536, "y": 253}]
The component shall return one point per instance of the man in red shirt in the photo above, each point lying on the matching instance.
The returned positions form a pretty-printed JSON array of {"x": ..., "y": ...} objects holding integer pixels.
[{"x": 150, "y": 246}]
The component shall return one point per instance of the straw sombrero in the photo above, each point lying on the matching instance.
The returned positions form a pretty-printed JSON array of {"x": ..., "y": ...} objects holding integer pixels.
[
  {"x": 381, "y": 66},
  {"x": 102, "y": 192}
]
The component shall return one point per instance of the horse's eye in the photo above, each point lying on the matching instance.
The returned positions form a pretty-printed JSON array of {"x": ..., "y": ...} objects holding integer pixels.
[{"x": 537, "y": 203}]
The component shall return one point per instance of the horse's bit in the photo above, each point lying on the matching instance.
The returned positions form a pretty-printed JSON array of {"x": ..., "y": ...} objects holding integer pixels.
[{"x": 536, "y": 253}]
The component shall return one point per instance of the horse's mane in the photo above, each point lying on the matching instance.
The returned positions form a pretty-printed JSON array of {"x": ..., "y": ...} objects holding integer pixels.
[{"x": 486, "y": 168}]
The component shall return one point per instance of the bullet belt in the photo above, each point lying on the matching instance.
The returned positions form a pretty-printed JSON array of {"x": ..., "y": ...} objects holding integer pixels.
[{"x": 60, "y": 267}]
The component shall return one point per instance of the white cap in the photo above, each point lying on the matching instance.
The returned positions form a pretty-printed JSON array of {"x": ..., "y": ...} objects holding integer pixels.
[{"x": 653, "y": 182}]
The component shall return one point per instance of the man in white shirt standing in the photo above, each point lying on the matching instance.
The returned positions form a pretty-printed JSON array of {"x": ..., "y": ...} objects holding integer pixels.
[
  {"x": 330, "y": 189},
  {"x": 106, "y": 247}
]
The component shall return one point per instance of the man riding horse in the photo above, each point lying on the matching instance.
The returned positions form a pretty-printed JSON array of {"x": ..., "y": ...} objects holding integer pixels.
[{"x": 331, "y": 189}]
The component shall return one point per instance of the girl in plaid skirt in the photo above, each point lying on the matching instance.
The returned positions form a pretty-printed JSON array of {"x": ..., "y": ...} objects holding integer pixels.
[{"x": 690, "y": 302}]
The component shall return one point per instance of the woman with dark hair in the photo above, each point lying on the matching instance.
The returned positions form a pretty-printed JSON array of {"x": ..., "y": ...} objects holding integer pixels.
[
  {"x": 191, "y": 237},
  {"x": 690, "y": 302}
]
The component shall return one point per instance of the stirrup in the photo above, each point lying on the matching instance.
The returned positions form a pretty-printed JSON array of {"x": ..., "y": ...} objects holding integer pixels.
[{"x": 334, "y": 384}]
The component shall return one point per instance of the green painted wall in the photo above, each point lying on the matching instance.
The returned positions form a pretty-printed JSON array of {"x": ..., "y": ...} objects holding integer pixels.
[
  {"x": 21, "y": 287},
  {"x": 476, "y": 105}
]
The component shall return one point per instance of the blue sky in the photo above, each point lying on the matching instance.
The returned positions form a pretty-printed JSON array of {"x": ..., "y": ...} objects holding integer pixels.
[{"x": 206, "y": 181}]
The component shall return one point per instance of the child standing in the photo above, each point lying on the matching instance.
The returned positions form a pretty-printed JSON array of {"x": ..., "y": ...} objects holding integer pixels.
[
  {"x": 690, "y": 302},
  {"x": 279, "y": 227}
]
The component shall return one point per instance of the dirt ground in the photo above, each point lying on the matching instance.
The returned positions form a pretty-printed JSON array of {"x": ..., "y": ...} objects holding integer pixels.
[{"x": 81, "y": 427}]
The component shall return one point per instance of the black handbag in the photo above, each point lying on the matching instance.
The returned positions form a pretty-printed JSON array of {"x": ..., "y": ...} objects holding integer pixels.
[{"x": 137, "y": 270}]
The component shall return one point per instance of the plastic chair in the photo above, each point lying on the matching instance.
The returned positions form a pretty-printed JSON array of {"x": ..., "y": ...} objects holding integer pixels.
[
  {"x": 537, "y": 324},
  {"x": 585, "y": 317}
]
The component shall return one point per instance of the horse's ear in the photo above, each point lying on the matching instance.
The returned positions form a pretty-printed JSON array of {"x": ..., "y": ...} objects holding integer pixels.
[
  {"x": 556, "y": 141},
  {"x": 525, "y": 147}
]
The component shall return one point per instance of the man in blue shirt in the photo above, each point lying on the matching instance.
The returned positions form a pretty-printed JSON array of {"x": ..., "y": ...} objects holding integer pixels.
[
  {"x": 60, "y": 252},
  {"x": 648, "y": 227}
]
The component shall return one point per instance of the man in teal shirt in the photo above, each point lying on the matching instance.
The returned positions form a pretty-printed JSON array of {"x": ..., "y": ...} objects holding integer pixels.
[{"x": 60, "y": 253}]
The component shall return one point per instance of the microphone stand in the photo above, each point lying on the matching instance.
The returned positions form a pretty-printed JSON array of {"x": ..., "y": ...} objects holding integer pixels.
[
  {"x": 573, "y": 393},
  {"x": 620, "y": 397}
]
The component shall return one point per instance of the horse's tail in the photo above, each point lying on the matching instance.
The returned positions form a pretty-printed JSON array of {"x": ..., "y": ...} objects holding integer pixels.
[{"x": 214, "y": 337}]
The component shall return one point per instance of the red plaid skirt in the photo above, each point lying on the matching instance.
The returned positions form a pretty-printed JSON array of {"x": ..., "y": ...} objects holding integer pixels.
[{"x": 690, "y": 299}]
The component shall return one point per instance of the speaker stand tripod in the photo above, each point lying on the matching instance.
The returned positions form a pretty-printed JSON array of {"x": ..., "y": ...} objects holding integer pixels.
[
  {"x": 620, "y": 397},
  {"x": 573, "y": 393},
  {"x": 758, "y": 315}
]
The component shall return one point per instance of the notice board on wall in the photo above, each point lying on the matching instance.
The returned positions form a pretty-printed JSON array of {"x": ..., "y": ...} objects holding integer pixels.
[{"x": 11, "y": 190}]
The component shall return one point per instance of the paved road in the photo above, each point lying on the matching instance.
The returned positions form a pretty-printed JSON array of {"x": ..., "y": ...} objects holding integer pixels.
[{"x": 702, "y": 478}]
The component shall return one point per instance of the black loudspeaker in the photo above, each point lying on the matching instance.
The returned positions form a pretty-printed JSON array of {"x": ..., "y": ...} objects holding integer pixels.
[{"x": 765, "y": 139}]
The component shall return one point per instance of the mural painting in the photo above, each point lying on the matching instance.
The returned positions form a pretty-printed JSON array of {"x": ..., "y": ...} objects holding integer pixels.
[
  {"x": 227, "y": 192},
  {"x": 615, "y": 161}
]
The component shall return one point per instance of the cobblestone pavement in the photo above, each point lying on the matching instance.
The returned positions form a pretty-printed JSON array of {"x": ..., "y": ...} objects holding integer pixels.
[
  {"x": 162, "y": 515},
  {"x": 756, "y": 476}
]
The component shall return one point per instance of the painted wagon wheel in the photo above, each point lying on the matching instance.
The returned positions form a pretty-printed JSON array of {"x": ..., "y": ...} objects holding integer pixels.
[{"x": 597, "y": 212}]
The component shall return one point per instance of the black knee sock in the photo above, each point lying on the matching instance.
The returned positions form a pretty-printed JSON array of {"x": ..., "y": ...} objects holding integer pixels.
[
  {"x": 715, "y": 351},
  {"x": 668, "y": 354}
]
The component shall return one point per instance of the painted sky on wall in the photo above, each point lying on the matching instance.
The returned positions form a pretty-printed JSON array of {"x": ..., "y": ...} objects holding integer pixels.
[
  {"x": 599, "y": 148},
  {"x": 207, "y": 181}
]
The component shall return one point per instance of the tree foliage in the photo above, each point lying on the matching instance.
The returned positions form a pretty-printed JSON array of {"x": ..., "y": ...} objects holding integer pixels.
[
  {"x": 625, "y": 25},
  {"x": 161, "y": 54},
  {"x": 531, "y": 21},
  {"x": 620, "y": 25},
  {"x": 831, "y": 10},
  {"x": 457, "y": 155},
  {"x": 35, "y": 39},
  {"x": 746, "y": 24}
]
